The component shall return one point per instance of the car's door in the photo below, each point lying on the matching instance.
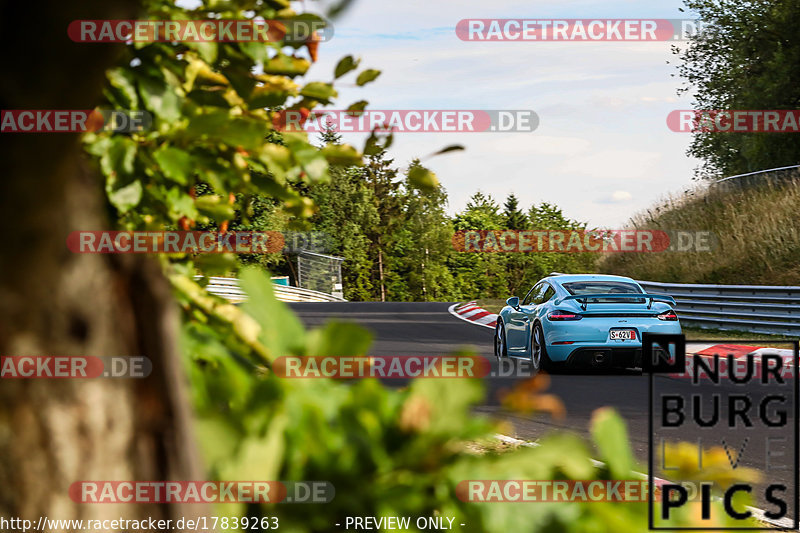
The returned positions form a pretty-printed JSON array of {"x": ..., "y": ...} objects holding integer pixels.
[
  {"x": 518, "y": 327},
  {"x": 538, "y": 309}
]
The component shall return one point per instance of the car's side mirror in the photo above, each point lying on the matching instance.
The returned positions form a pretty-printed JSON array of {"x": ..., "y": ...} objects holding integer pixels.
[{"x": 513, "y": 302}]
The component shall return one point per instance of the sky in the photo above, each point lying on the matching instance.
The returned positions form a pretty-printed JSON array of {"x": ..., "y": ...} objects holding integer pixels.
[{"x": 602, "y": 150}]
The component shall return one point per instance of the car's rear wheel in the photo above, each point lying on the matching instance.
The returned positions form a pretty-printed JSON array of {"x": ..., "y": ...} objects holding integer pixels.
[
  {"x": 500, "y": 349},
  {"x": 539, "y": 358}
]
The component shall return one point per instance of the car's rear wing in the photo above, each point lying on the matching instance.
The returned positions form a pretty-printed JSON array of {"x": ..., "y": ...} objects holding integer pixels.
[{"x": 583, "y": 299}]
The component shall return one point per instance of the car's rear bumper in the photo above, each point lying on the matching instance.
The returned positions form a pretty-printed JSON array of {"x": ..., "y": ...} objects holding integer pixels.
[
  {"x": 614, "y": 353},
  {"x": 605, "y": 357}
]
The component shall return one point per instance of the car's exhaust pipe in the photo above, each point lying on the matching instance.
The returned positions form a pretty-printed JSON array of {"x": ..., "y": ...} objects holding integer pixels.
[{"x": 599, "y": 358}]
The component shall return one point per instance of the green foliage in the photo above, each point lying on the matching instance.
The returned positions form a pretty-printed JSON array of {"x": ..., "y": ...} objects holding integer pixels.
[
  {"x": 753, "y": 236},
  {"x": 367, "y": 76},
  {"x": 421, "y": 245},
  {"x": 514, "y": 217},
  {"x": 480, "y": 274},
  {"x": 498, "y": 275},
  {"x": 209, "y": 122},
  {"x": 346, "y": 210},
  {"x": 745, "y": 58},
  {"x": 345, "y": 65}
]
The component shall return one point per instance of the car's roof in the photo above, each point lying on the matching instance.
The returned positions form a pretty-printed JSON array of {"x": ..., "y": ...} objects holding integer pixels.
[{"x": 566, "y": 278}]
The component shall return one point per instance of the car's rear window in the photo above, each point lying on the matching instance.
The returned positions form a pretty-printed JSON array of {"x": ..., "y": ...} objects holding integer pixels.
[{"x": 578, "y": 288}]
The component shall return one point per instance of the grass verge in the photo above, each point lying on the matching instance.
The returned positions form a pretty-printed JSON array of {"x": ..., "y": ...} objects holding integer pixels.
[{"x": 755, "y": 226}]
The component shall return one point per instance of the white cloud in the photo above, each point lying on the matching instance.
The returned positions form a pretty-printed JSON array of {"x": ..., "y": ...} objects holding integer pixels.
[
  {"x": 612, "y": 164},
  {"x": 617, "y": 197},
  {"x": 545, "y": 145}
]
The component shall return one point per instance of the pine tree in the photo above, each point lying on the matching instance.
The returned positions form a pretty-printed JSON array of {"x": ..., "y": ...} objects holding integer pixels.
[
  {"x": 330, "y": 135},
  {"x": 515, "y": 218},
  {"x": 380, "y": 176},
  {"x": 481, "y": 213}
]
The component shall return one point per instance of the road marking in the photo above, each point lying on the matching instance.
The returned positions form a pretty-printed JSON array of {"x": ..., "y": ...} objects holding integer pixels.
[{"x": 453, "y": 312}]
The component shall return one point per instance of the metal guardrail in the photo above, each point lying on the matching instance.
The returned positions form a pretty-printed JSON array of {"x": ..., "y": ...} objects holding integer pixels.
[
  {"x": 229, "y": 289},
  {"x": 297, "y": 294},
  {"x": 752, "y": 308},
  {"x": 757, "y": 172}
]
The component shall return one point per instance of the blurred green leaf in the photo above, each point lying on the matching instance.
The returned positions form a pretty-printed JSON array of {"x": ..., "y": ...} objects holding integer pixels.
[
  {"x": 422, "y": 178},
  {"x": 287, "y": 65},
  {"x": 451, "y": 148},
  {"x": 124, "y": 198},
  {"x": 611, "y": 438},
  {"x": 282, "y": 333},
  {"x": 367, "y": 76},
  {"x": 162, "y": 100},
  {"x": 342, "y": 154},
  {"x": 176, "y": 164},
  {"x": 345, "y": 65},
  {"x": 118, "y": 155},
  {"x": 215, "y": 207},
  {"x": 206, "y": 50},
  {"x": 216, "y": 264},
  {"x": 219, "y": 125},
  {"x": 122, "y": 80},
  {"x": 318, "y": 90},
  {"x": 267, "y": 97},
  {"x": 358, "y": 106}
]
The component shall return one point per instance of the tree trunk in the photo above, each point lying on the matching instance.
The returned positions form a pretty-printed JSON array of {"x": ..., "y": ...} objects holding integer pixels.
[
  {"x": 380, "y": 272},
  {"x": 56, "y": 432},
  {"x": 424, "y": 288}
]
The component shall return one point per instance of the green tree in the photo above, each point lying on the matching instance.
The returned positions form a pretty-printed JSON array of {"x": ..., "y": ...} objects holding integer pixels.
[
  {"x": 346, "y": 211},
  {"x": 422, "y": 245},
  {"x": 546, "y": 216},
  {"x": 517, "y": 264},
  {"x": 480, "y": 274},
  {"x": 382, "y": 180},
  {"x": 746, "y": 57},
  {"x": 330, "y": 135},
  {"x": 550, "y": 216},
  {"x": 514, "y": 217},
  {"x": 481, "y": 212}
]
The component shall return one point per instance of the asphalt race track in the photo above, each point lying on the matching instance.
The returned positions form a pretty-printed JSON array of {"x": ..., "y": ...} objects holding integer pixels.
[{"x": 428, "y": 329}]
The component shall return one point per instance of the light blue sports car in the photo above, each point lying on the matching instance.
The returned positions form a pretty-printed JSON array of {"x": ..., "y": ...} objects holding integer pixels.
[{"x": 587, "y": 320}]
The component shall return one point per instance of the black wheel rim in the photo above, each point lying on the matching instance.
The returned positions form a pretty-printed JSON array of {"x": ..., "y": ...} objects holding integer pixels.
[
  {"x": 536, "y": 348},
  {"x": 498, "y": 341}
]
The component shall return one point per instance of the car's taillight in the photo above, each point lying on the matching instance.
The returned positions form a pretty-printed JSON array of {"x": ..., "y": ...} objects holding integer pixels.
[
  {"x": 669, "y": 315},
  {"x": 563, "y": 315}
]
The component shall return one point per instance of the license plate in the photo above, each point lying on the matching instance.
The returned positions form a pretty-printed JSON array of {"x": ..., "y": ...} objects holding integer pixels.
[{"x": 623, "y": 335}]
